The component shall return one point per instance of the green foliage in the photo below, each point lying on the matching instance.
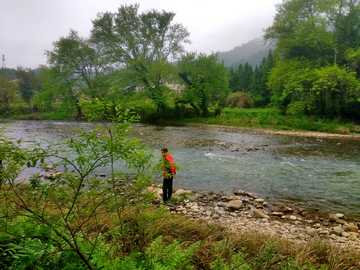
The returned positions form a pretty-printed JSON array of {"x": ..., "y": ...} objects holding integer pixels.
[
  {"x": 159, "y": 257},
  {"x": 206, "y": 81},
  {"x": 72, "y": 207},
  {"x": 238, "y": 262},
  {"x": 7, "y": 94},
  {"x": 240, "y": 100},
  {"x": 29, "y": 84}
]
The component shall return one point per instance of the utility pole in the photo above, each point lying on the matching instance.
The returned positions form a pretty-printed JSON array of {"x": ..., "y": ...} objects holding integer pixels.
[{"x": 3, "y": 62}]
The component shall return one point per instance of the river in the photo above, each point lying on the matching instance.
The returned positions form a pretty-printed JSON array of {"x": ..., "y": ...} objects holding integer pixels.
[{"x": 315, "y": 172}]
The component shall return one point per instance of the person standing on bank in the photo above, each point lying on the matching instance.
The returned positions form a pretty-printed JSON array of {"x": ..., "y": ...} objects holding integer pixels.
[{"x": 169, "y": 172}]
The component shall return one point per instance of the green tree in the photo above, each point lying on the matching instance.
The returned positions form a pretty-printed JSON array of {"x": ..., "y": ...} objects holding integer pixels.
[
  {"x": 301, "y": 29},
  {"x": 28, "y": 84},
  {"x": 59, "y": 86},
  {"x": 206, "y": 81},
  {"x": 7, "y": 94},
  {"x": 80, "y": 62},
  {"x": 142, "y": 44}
]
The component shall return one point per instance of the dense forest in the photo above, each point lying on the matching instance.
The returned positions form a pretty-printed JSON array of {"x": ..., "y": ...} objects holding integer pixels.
[{"x": 137, "y": 60}]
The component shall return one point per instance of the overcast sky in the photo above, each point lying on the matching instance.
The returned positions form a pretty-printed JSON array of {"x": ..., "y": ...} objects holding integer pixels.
[{"x": 28, "y": 27}]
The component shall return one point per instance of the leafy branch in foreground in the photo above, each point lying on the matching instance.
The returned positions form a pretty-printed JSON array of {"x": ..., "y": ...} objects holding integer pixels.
[{"x": 76, "y": 209}]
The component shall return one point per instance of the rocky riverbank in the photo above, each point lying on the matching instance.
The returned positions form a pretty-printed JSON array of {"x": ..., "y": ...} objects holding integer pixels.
[{"x": 244, "y": 212}]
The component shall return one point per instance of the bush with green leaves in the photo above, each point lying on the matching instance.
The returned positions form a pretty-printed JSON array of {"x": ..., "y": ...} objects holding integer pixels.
[{"x": 76, "y": 207}]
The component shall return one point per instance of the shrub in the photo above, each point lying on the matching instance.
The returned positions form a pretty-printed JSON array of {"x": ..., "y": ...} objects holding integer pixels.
[{"x": 240, "y": 100}]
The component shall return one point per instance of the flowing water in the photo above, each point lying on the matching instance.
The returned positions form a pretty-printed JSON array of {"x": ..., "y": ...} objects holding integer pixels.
[{"x": 316, "y": 172}]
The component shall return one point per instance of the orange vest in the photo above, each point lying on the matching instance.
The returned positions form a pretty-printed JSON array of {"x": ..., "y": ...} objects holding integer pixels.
[{"x": 168, "y": 166}]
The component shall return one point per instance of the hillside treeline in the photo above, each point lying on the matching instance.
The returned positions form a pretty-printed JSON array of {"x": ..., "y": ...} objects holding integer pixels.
[{"x": 137, "y": 60}]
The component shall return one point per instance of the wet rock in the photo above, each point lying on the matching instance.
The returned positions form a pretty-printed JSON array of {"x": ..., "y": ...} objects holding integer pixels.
[{"x": 102, "y": 174}]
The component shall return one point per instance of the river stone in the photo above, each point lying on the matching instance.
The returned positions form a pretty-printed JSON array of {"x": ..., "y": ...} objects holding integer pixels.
[
  {"x": 259, "y": 214},
  {"x": 234, "y": 205},
  {"x": 292, "y": 217},
  {"x": 183, "y": 191},
  {"x": 324, "y": 232},
  {"x": 311, "y": 231},
  {"x": 341, "y": 216},
  {"x": 345, "y": 234},
  {"x": 341, "y": 221},
  {"x": 278, "y": 214},
  {"x": 239, "y": 192},
  {"x": 333, "y": 218},
  {"x": 352, "y": 237},
  {"x": 336, "y": 230},
  {"x": 51, "y": 175},
  {"x": 351, "y": 228},
  {"x": 259, "y": 200}
]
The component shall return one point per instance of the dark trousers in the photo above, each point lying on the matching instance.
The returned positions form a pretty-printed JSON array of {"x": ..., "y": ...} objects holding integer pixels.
[{"x": 167, "y": 188}]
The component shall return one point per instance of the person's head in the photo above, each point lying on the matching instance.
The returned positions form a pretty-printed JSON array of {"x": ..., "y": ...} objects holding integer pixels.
[{"x": 164, "y": 151}]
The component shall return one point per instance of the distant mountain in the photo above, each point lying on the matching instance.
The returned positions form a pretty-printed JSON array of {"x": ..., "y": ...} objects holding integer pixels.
[{"x": 251, "y": 52}]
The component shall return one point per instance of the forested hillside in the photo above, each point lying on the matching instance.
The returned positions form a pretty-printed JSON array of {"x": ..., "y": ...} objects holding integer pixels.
[{"x": 251, "y": 52}]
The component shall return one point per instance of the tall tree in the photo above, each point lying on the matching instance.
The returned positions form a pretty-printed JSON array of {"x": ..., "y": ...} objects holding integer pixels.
[
  {"x": 143, "y": 43},
  {"x": 206, "y": 81},
  {"x": 79, "y": 60},
  {"x": 28, "y": 84}
]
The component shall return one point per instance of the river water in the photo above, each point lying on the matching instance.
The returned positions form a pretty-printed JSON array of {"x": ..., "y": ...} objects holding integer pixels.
[{"x": 317, "y": 173}]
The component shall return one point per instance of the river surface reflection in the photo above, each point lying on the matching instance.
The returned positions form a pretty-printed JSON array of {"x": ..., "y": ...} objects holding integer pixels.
[{"x": 315, "y": 172}]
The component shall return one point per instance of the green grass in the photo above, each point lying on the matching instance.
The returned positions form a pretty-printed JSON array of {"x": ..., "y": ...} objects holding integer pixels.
[{"x": 273, "y": 119}]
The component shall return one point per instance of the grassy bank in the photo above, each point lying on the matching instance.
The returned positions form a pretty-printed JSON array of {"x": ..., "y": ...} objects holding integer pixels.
[{"x": 273, "y": 119}]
